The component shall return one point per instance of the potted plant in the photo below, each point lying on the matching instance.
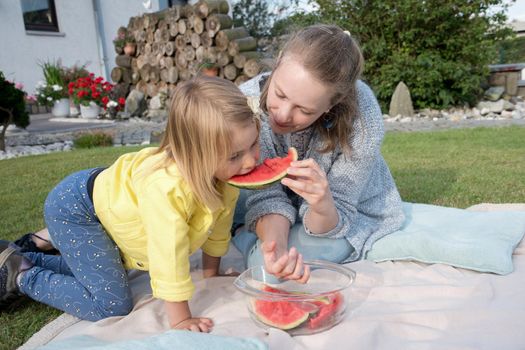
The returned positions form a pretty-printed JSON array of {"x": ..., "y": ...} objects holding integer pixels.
[
  {"x": 209, "y": 68},
  {"x": 125, "y": 42},
  {"x": 71, "y": 74},
  {"x": 91, "y": 93},
  {"x": 113, "y": 107},
  {"x": 130, "y": 46},
  {"x": 51, "y": 92}
]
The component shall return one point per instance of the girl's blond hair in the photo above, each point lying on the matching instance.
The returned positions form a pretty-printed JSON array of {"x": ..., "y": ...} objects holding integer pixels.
[
  {"x": 333, "y": 57},
  {"x": 197, "y": 138}
]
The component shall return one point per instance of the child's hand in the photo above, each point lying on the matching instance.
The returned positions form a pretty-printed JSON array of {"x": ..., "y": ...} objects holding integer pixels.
[
  {"x": 195, "y": 324},
  {"x": 179, "y": 317}
]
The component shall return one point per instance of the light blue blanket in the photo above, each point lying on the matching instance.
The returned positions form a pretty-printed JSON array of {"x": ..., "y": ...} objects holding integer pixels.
[
  {"x": 173, "y": 339},
  {"x": 480, "y": 241}
]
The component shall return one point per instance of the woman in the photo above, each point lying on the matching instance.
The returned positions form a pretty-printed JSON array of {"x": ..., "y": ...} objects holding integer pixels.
[{"x": 340, "y": 198}]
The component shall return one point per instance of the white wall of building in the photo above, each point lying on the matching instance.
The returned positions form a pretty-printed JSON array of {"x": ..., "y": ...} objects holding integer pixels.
[
  {"x": 85, "y": 37},
  {"x": 21, "y": 52}
]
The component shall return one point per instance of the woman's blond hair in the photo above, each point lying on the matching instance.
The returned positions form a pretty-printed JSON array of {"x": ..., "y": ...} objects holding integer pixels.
[
  {"x": 197, "y": 138},
  {"x": 333, "y": 57}
]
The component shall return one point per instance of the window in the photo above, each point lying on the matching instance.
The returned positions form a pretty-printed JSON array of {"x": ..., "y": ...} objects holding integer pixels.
[
  {"x": 177, "y": 2},
  {"x": 40, "y": 15}
]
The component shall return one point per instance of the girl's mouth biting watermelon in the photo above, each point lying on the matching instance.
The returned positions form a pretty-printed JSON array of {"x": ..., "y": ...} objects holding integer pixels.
[{"x": 271, "y": 170}]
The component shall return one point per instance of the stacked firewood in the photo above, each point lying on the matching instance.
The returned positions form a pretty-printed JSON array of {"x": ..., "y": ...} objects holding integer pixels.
[{"x": 176, "y": 44}]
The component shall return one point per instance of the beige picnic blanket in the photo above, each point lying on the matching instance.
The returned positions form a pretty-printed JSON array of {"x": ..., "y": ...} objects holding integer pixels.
[{"x": 392, "y": 305}]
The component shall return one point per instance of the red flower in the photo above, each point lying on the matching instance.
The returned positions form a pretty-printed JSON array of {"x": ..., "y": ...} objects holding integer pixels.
[
  {"x": 121, "y": 101},
  {"x": 90, "y": 89}
]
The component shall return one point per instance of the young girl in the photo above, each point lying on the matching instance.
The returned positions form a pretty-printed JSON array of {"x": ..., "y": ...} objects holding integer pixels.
[{"x": 150, "y": 210}]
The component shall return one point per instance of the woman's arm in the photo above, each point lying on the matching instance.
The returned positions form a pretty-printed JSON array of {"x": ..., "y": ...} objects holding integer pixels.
[{"x": 273, "y": 230}]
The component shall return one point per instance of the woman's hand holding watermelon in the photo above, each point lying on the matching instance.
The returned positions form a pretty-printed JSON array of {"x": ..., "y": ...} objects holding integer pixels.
[{"x": 308, "y": 180}]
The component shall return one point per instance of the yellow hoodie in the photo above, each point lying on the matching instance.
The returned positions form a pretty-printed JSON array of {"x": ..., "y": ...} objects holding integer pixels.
[{"x": 157, "y": 223}]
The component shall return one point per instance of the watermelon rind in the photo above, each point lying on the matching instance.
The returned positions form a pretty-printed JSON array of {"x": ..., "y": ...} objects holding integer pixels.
[{"x": 243, "y": 181}]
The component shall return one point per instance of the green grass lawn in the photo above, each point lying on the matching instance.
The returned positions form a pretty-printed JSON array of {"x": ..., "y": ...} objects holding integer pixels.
[{"x": 456, "y": 168}]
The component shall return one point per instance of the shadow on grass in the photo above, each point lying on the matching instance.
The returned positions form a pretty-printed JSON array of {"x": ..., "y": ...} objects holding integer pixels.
[{"x": 425, "y": 185}]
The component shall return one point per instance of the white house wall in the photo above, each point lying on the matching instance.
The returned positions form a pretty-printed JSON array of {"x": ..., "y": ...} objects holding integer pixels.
[
  {"x": 20, "y": 52},
  {"x": 77, "y": 42}
]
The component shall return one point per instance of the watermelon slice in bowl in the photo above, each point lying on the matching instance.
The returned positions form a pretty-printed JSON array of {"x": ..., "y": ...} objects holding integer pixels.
[
  {"x": 268, "y": 172},
  {"x": 298, "y": 309}
]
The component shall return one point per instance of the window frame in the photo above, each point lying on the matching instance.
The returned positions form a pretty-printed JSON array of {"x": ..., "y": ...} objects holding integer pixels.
[
  {"x": 52, "y": 27},
  {"x": 172, "y": 3}
]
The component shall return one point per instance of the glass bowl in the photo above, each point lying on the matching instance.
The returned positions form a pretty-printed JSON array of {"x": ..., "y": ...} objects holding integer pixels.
[{"x": 296, "y": 308}]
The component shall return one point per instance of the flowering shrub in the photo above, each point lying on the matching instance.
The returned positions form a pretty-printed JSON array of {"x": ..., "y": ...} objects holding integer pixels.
[
  {"x": 12, "y": 107},
  {"x": 46, "y": 95},
  {"x": 90, "y": 89}
]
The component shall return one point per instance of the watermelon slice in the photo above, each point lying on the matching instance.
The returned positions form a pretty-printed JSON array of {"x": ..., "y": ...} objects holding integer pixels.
[
  {"x": 279, "y": 314},
  {"x": 321, "y": 310},
  {"x": 265, "y": 174},
  {"x": 326, "y": 312}
]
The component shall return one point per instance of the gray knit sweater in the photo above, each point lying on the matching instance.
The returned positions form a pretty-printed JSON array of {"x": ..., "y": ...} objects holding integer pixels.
[{"x": 363, "y": 189}]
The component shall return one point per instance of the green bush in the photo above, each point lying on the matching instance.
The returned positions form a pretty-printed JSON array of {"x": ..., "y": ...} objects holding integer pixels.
[
  {"x": 12, "y": 108},
  {"x": 96, "y": 139},
  {"x": 439, "y": 48}
]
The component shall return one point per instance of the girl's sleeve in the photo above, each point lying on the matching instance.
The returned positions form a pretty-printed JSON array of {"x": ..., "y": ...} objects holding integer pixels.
[
  {"x": 350, "y": 176},
  {"x": 164, "y": 212}
]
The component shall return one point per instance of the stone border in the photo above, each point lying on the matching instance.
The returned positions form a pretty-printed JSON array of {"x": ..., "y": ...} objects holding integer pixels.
[
  {"x": 82, "y": 120},
  {"x": 123, "y": 133}
]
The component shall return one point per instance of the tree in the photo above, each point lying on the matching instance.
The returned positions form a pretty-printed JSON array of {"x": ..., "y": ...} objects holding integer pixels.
[
  {"x": 12, "y": 108},
  {"x": 259, "y": 16},
  {"x": 440, "y": 48},
  {"x": 254, "y": 16}
]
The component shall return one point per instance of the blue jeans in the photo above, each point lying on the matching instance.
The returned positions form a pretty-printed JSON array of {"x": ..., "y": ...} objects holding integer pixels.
[
  {"x": 88, "y": 279},
  {"x": 311, "y": 247}
]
